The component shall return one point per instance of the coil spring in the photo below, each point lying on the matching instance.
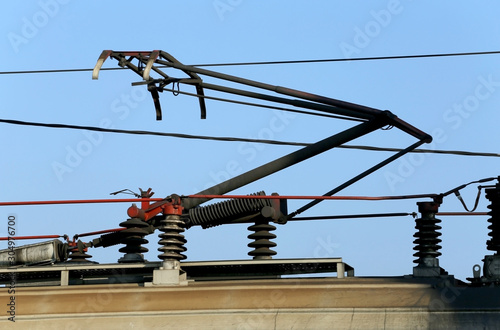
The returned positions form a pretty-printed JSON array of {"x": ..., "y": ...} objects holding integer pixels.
[
  {"x": 171, "y": 240},
  {"x": 493, "y": 195},
  {"x": 427, "y": 241},
  {"x": 133, "y": 239},
  {"x": 261, "y": 240},
  {"x": 223, "y": 212}
]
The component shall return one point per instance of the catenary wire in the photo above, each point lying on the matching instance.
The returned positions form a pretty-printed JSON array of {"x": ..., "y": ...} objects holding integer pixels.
[
  {"x": 274, "y": 62},
  {"x": 394, "y": 57},
  {"x": 234, "y": 139}
]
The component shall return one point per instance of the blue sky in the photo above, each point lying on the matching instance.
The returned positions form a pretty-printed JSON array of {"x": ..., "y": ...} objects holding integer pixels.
[{"x": 453, "y": 98}]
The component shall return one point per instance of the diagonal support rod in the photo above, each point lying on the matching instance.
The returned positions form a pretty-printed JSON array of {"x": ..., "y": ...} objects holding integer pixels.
[
  {"x": 286, "y": 161},
  {"x": 356, "y": 178}
]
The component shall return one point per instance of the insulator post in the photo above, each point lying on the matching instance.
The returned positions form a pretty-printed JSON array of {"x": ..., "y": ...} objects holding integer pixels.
[
  {"x": 427, "y": 241},
  {"x": 77, "y": 253},
  {"x": 493, "y": 244},
  {"x": 171, "y": 240},
  {"x": 133, "y": 240},
  {"x": 491, "y": 268},
  {"x": 261, "y": 239}
]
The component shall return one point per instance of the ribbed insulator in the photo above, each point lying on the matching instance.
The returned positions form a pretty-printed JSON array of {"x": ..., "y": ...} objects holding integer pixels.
[
  {"x": 171, "y": 240},
  {"x": 77, "y": 253},
  {"x": 224, "y": 212},
  {"x": 261, "y": 240},
  {"x": 427, "y": 241},
  {"x": 133, "y": 240},
  {"x": 493, "y": 195},
  {"x": 78, "y": 257}
]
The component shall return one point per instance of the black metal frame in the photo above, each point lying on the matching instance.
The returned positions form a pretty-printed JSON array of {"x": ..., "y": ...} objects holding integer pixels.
[{"x": 371, "y": 118}]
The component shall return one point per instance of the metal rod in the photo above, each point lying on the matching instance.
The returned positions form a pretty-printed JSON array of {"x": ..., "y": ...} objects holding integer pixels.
[
  {"x": 344, "y": 198},
  {"x": 356, "y": 178},
  {"x": 212, "y": 196},
  {"x": 101, "y": 232},
  {"x": 354, "y": 216},
  {"x": 262, "y": 105},
  {"x": 461, "y": 213},
  {"x": 285, "y": 161},
  {"x": 281, "y": 100}
]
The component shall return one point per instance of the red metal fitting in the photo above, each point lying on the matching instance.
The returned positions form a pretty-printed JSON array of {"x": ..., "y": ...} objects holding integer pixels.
[
  {"x": 169, "y": 206},
  {"x": 135, "y": 212},
  {"x": 173, "y": 206},
  {"x": 76, "y": 246}
]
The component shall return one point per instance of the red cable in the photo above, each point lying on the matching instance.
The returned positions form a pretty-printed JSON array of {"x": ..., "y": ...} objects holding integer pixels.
[
  {"x": 125, "y": 200},
  {"x": 58, "y": 236},
  {"x": 82, "y": 201},
  {"x": 29, "y": 237}
]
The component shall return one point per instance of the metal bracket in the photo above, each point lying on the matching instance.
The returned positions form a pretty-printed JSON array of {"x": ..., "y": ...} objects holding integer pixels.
[{"x": 147, "y": 61}]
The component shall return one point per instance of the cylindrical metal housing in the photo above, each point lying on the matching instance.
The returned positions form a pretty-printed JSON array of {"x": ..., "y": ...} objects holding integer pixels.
[{"x": 39, "y": 253}]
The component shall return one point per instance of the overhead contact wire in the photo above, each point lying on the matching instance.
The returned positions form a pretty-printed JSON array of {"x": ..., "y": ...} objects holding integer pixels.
[
  {"x": 234, "y": 139},
  {"x": 395, "y": 57}
]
